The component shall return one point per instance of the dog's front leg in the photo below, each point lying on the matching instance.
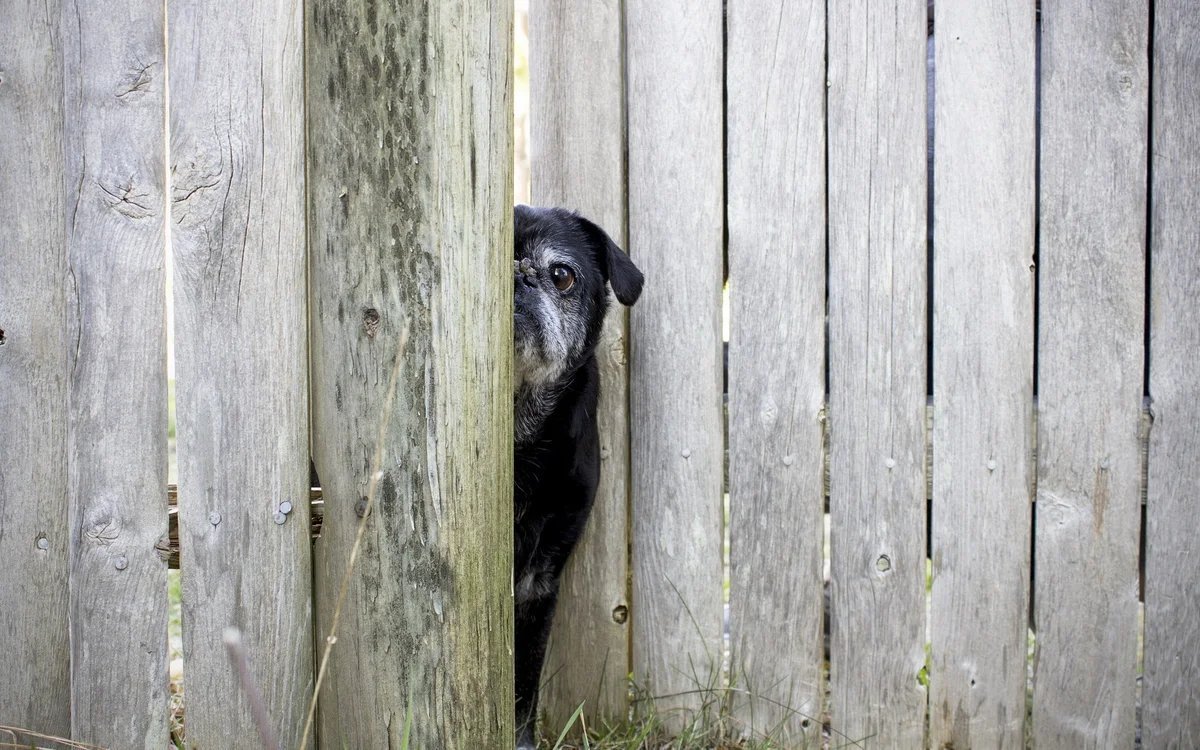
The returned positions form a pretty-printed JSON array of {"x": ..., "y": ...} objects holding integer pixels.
[{"x": 533, "y": 618}]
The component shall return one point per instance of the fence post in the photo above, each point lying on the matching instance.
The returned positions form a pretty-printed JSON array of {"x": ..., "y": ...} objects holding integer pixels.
[
  {"x": 983, "y": 371},
  {"x": 410, "y": 206},
  {"x": 673, "y": 63},
  {"x": 1171, "y": 697},
  {"x": 877, "y": 349},
  {"x": 237, "y": 231},
  {"x": 577, "y": 119},
  {"x": 34, "y": 651},
  {"x": 1094, "y": 100},
  {"x": 776, "y": 207},
  {"x": 117, "y": 348}
]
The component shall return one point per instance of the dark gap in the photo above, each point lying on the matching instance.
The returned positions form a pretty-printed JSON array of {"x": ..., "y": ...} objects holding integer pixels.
[
  {"x": 1149, "y": 212},
  {"x": 727, "y": 676},
  {"x": 826, "y": 590},
  {"x": 628, "y": 589},
  {"x": 930, "y": 100},
  {"x": 930, "y": 111},
  {"x": 1036, "y": 267},
  {"x": 1147, "y": 418}
]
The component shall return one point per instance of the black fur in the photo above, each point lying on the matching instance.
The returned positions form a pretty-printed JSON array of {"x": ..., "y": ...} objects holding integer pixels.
[{"x": 557, "y": 455}]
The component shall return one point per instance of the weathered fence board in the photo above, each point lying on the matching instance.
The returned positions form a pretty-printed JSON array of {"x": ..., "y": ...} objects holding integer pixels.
[
  {"x": 237, "y": 194},
  {"x": 776, "y": 163},
  {"x": 877, "y": 345},
  {"x": 115, "y": 100},
  {"x": 1093, "y": 118},
  {"x": 983, "y": 370},
  {"x": 577, "y": 95},
  {"x": 410, "y": 174},
  {"x": 34, "y": 650},
  {"x": 1171, "y": 695},
  {"x": 673, "y": 64}
]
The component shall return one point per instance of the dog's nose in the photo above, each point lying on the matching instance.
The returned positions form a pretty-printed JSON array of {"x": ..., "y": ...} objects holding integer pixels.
[{"x": 523, "y": 270}]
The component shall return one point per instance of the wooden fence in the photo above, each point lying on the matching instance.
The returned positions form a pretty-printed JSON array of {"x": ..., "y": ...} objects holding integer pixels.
[{"x": 936, "y": 491}]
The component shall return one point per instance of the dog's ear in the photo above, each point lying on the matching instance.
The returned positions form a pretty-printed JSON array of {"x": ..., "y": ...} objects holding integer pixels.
[{"x": 623, "y": 276}]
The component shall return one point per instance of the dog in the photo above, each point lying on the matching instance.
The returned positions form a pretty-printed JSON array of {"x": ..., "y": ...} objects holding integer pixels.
[{"x": 563, "y": 268}]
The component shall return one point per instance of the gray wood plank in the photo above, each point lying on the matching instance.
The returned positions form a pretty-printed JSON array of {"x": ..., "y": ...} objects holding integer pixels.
[
  {"x": 674, "y": 83},
  {"x": 115, "y": 109},
  {"x": 877, "y": 348},
  {"x": 1171, "y": 692},
  {"x": 577, "y": 122},
  {"x": 237, "y": 218},
  {"x": 1094, "y": 95},
  {"x": 776, "y": 193},
  {"x": 983, "y": 370},
  {"x": 410, "y": 165},
  {"x": 34, "y": 650}
]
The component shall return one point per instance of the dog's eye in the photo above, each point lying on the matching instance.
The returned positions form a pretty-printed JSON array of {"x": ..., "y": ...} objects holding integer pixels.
[{"x": 563, "y": 278}]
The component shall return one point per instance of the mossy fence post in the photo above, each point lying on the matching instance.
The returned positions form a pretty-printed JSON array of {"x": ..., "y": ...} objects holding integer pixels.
[{"x": 410, "y": 230}]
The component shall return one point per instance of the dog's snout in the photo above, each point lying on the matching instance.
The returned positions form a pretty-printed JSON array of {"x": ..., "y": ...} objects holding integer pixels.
[{"x": 523, "y": 270}]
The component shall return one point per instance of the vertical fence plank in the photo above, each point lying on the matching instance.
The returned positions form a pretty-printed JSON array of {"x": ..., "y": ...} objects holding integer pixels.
[
  {"x": 877, "y": 298},
  {"x": 34, "y": 651},
  {"x": 115, "y": 93},
  {"x": 1171, "y": 698},
  {"x": 410, "y": 166},
  {"x": 577, "y": 96},
  {"x": 673, "y": 64},
  {"x": 237, "y": 172},
  {"x": 983, "y": 370},
  {"x": 1092, "y": 299},
  {"x": 776, "y": 162}
]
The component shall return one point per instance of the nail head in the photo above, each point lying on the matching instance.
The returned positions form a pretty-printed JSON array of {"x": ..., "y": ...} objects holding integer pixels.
[
  {"x": 121, "y": 563},
  {"x": 214, "y": 518}
]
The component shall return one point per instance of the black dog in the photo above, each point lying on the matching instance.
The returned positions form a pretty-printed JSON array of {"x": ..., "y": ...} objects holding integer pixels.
[{"x": 562, "y": 269}]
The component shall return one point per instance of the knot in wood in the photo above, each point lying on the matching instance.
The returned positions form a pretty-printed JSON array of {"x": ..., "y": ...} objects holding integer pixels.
[{"x": 371, "y": 319}]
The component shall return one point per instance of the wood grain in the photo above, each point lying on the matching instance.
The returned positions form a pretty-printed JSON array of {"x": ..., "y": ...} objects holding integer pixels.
[
  {"x": 410, "y": 199},
  {"x": 877, "y": 349},
  {"x": 34, "y": 649},
  {"x": 673, "y": 64},
  {"x": 115, "y": 165},
  {"x": 577, "y": 122},
  {"x": 983, "y": 371},
  {"x": 1171, "y": 693},
  {"x": 237, "y": 218},
  {"x": 1094, "y": 91},
  {"x": 776, "y": 193}
]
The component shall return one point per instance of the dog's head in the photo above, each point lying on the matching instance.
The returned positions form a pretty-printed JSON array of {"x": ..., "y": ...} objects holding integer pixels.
[{"x": 563, "y": 268}]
